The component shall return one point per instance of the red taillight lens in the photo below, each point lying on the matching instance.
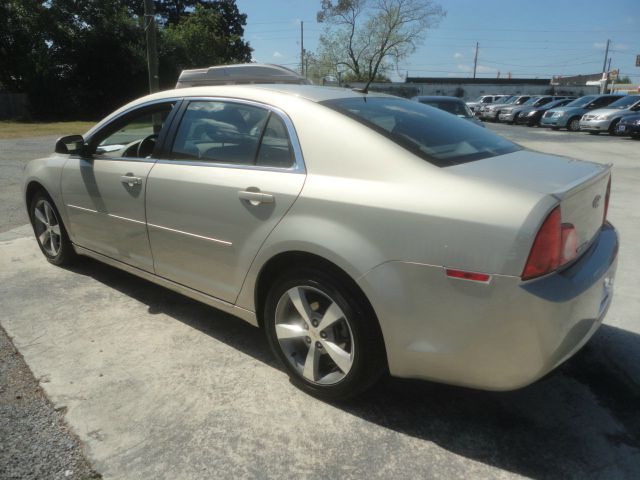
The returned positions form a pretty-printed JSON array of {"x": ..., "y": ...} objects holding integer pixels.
[
  {"x": 476, "y": 277},
  {"x": 545, "y": 252},
  {"x": 555, "y": 245},
  {"x": 606, "y": 201}
]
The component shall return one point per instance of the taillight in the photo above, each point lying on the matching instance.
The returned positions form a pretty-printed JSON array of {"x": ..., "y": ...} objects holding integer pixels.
[
  {"x": 606, "y": 201},
  {"x": 554, "y": 245}
]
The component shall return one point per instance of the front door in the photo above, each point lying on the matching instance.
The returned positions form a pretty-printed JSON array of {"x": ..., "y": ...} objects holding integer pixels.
[
  {"x": 104, "y": 193},
  {"x": 233, "y": 171}
]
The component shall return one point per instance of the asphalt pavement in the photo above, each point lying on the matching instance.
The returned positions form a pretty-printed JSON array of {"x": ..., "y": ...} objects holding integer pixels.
[{"x": 158, "y": 386}]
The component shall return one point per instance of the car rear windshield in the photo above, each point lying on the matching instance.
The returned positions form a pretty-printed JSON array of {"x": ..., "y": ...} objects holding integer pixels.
[{"x": 434, "y": 135}]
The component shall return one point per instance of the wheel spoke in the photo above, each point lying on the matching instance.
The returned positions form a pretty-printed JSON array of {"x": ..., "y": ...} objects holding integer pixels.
[
  {"x": 54, "y": 244},
  {"x": 310, "y": 371},
  {"x": 56, "y": 229},
  {"x": 286, "y": 331},
  {"x": 297, "y": 297},
  {"x": 40, "y": 216},
  {"x": 331, "y": 315},
  {"x": 47, "y": 212},
  {"x": 341, "y": 358},
  {"x": 44, "y": 237}
]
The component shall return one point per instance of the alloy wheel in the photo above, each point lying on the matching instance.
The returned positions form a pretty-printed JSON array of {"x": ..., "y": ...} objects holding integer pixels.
[
  {"x": 47, "y": 228},
  {"x": 315, "y": 335}
]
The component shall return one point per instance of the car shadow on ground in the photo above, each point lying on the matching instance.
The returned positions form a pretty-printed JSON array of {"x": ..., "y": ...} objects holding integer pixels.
[{"x": 583, "y": 420}]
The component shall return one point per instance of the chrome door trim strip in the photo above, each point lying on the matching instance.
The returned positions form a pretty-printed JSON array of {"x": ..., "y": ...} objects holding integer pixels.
[
  {"x": 244, "y": 314},
  {"x": 215, "y": 240},
  {"x": 125, "y": 218},
  {"x": 81, "y": 208}
]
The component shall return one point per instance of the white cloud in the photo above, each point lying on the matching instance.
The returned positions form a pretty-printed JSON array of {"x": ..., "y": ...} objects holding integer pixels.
[
  {"x": 599, "y": 45},
  {"x": 457, "y": 55},
  {"x": 464, "y": 68},
  {"x": 277, "y": 54},
  {"x": 621, "y": 46}
]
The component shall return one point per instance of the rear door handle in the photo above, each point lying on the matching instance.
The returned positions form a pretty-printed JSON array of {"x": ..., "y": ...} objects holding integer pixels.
[
  {"x": 130, "y": 180},
  {"x": 255, "y": 198}
]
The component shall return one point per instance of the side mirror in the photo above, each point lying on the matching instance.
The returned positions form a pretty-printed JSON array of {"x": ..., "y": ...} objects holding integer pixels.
[{"x": 70, "y": 144}]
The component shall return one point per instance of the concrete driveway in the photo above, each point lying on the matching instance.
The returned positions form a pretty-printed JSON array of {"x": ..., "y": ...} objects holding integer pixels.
[{"x": 159, "y": 386}]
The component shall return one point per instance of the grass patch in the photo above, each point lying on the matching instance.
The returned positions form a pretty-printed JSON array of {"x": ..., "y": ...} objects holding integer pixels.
[{"x": 10, "y": 129}]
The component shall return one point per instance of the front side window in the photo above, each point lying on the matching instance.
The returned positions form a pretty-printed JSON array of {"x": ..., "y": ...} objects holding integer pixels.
[
  {"x": 134, "y": 136},
  {"x": 434, "y": 135}
]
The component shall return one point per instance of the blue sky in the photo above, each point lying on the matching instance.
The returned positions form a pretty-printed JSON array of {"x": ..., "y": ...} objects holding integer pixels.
[{"x": 527, "y": 38}]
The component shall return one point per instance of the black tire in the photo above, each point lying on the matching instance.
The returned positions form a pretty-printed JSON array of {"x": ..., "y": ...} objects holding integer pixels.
[
  {"x": 573, "y": 125},
  {"x": 64, "y": 254},
  {"x": 365, "y": 343},
  {"x": 613, "y": 126},
  {"x": 594, "y": 133},
  {"x": 555, "y": 128}
]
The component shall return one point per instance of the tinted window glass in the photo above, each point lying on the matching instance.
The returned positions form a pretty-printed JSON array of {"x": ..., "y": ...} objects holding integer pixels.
[
  {"x": 625, "y": 102},
  {"x": 451, "y": 106},
  {"x": 582, "y": 101},
  {"x": 275, "y": 148},
  {"x": 129, "y": 134},
  {"x": 220, "y": 132},
  {"x": 432, "y": 134}
]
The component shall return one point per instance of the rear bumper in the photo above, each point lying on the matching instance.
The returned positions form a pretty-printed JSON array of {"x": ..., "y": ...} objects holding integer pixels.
[{"x": 496, "y": 336}]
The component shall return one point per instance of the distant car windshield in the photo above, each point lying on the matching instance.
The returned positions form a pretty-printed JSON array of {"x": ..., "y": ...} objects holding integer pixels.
[
  {"x": 555, "y": 103},
  {"x": 582, "y": 101},
  {"x": 451, "y": 106},
  {"x": 625, "y": 102},
  {"x": 434, "y": 135},
  {"x": 531, "y": 101}
]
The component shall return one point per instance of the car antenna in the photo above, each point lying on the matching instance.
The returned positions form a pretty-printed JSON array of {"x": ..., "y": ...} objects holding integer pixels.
[{"x": 363, "y": 90}]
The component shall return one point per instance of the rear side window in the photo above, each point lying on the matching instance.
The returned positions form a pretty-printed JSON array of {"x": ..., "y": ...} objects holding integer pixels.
[
  {"x": 436, "y": 136},
  {"x": 219, "y": 131},
  {"x": 232, "y": 133}
]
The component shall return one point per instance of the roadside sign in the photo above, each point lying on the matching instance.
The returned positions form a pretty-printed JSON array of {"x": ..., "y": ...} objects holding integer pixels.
[{"x": 637, "y": 60}]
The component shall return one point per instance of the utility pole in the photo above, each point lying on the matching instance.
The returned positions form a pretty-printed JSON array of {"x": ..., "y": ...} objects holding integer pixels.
[
  {"x": 603, "y": 83},
  {"x": 475, "y": 61},
  {"x": 152, "y": 51},
  {"x": 301, "y": 48}
]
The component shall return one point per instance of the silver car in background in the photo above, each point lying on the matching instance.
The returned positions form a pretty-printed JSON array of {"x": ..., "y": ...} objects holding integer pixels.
[
  {"x": 607, "y": 119},
  {"x": 363, "y": 233}
]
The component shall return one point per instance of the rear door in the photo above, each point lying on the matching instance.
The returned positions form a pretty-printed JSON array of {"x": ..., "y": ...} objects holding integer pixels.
[
  {"x": 231, "y": 172},
  {"x": 104, "y": 193}
]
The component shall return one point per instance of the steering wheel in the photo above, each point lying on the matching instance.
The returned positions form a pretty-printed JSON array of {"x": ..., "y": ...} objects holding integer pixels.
[{"x": 146, "y": 146}]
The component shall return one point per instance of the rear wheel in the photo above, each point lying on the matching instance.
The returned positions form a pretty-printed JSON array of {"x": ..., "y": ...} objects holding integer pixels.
[
  {"x": 49, "y": 230},
  {"x": 324, "y": 334},
  {"x": 573, "y": 125}
]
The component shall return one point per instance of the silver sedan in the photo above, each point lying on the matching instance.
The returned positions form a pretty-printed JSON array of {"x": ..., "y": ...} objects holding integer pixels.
[{"x": 364, "y": 233}]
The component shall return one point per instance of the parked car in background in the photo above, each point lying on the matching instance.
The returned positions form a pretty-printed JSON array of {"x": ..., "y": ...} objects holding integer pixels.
[
  {"x": 629, "y": 126},
  {"x": 531, "y": 116},
  {"x": 606, "y": 119},
  {"x": 364, "y": 233},
  {"x": 511, "y": 114},
  {"x": 569, "y": 116},
  {"x": 491, "y": 112},
  {"x": 453, "y": 105},
  {"x": 482, "y": 100}
]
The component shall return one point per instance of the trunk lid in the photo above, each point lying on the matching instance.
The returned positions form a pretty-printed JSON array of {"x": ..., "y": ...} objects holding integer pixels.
[{"x": 580, "y": 187}]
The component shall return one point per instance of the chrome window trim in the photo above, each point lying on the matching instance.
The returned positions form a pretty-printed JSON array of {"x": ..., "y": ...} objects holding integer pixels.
[{"x": 298, "y": 165}]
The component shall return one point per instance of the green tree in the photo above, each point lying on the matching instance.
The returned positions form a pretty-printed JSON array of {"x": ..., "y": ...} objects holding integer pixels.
[{"x": 368, "y": 37}]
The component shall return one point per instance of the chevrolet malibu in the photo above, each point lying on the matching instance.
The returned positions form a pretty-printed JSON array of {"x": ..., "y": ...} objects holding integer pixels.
[{"x": 365, "y": 234}]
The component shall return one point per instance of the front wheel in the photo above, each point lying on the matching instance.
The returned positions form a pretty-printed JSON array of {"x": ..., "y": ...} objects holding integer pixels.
[
  {"x": 324, "y": 334},
  {"x": 613, "y": 127},
  {"x": 50, "y": 232}
]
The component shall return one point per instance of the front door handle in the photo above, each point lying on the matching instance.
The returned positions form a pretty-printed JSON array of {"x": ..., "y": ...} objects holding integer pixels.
[
  {"x": 130, "y": 180},
  {"x": 255, "y": 198}
]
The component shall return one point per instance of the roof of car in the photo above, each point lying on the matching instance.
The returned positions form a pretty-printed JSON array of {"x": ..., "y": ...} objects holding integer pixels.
[{"x": 438, "y": 98}]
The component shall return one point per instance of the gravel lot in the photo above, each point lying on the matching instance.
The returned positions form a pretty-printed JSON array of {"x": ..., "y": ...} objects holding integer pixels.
[{"x": 158, "y": 386}]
